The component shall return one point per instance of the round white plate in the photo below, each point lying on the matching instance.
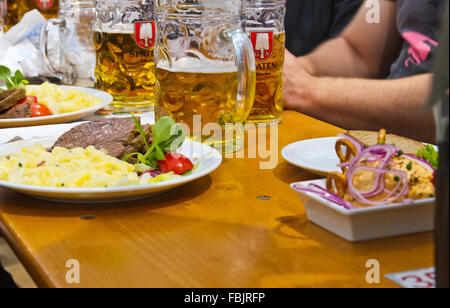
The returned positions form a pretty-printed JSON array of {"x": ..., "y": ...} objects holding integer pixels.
[
  {"x": 314, "y": 155},
  {"x": 209, "y": 159},
  {"x": 61, "y": 118}
]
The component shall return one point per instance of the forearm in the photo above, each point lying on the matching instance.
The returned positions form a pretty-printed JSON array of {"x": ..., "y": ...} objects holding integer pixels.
[
  {"x": 397, "y": 105},
  {"x": 336, "y": 58}
]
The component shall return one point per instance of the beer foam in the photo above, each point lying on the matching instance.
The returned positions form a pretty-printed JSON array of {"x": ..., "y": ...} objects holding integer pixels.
[
  {"x": 193, "y": 65},
  {"x": 118, "y": 29}
]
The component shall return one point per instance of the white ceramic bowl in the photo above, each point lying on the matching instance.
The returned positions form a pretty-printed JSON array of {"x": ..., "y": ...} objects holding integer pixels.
[{"x": 369, "y": 223}]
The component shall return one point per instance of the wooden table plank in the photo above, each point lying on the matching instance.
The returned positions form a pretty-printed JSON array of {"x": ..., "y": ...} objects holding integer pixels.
[{"x": 213, "y": 232}]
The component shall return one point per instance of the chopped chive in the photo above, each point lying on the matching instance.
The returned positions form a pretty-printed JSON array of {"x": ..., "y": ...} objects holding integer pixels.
[
  {"x": 409, "y": 166},
  {"x": 397, "y": 179},
  {"x": 20, "y": 165},
  {"x": 388, "y": 167}
]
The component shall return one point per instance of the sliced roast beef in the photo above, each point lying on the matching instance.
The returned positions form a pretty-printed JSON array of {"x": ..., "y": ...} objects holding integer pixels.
[
  {"x": 10, "y": 98},
  {"x": 118, "y": 136},
  {"x": 17, "y": 112}
]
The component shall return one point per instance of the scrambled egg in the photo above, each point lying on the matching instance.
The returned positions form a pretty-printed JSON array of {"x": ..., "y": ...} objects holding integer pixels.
[
  {"x": 75, "y": 168},
  {"x": 60, "y": 100},
  {"x": 420, "y": 181}
]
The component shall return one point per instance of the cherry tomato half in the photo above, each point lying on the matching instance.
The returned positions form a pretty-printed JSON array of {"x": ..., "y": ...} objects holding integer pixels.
[
  {"x": 176, "y": 163},
  {"x": 37, "y": 110}
]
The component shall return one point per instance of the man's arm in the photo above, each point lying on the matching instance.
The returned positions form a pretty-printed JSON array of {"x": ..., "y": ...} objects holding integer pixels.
[
  {"x": 362, "y": 50},
  {"x": 346, "y": 97},
  {"x": 351, "y": 103}
]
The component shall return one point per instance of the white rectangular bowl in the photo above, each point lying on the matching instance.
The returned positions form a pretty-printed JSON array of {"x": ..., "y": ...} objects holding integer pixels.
[{"x": 369, "y": 223}]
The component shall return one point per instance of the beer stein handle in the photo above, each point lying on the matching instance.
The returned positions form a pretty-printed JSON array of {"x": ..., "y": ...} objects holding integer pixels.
[
  {"x": 65, "y": 73},
  {"x": 247, "y": 74}
]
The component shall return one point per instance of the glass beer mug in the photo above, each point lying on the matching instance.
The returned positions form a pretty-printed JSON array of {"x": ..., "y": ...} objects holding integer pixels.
[
  {"x": 205, "y": 69},
  {"x": 265, "y": 27},
  {"x": 124, "y": 37},
  {"x": 70, "y": 55},
  {"x": 3, "y": 14}
]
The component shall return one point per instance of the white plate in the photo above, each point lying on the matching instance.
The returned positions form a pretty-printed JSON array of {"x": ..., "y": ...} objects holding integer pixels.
[
  {"x": 368, "y": 223},
  {"x": 315, "y": 155},
  {"x": 208, "y": 158},
  {"x": 65, "y": 117}
]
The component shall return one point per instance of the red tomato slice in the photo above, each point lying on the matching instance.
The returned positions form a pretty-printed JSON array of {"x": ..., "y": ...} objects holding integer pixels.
[
  {"x": 176, "y": 163},
  {"x": 39, "y": 110},
  {"x": 28, "y": 99}
]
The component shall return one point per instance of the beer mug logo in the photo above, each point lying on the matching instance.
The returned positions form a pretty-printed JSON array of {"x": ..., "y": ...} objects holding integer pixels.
[
  {"x": 145, "y": 33},
  {"x": 44, "y": 4},
  {"x": 262, "y": 44}
]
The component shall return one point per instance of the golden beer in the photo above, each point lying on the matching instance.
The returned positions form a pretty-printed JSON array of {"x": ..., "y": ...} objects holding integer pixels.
[
  {"x": 12, "y": 15},
  {"x": 269, "y": 100},
  {"x": 209, "y": 94},
  {"x": 48, "y": 8},
  {"x": 125, "y": 70}
]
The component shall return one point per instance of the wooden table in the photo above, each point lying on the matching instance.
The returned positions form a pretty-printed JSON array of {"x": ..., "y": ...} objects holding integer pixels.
[{"x": 214, "y": 232}]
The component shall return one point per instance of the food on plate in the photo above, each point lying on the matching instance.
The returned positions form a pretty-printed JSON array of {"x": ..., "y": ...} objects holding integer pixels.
[
  {"x": 430, "y": 155},
  {"x": 16, "y": 81},
  {"x": 9, "y": 98},
  {"x": 74, "y": 168},
  {"x": 105, "y": 153},
  {"x": 377, "y": 175},
  {"x": 18, "y": 111},
  {"x": 118, "y": 136},
  {"x": 371, "y": 138},
  {"x": 23, "y": 101},
  {"x": 61, "y": 100}
]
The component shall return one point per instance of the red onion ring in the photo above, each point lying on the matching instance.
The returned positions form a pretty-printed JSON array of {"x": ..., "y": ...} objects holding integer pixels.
[
  {"x": 421, "y": 162},
  {"x": 359, "y": 146},
  {"x": 325, "y": 194}
]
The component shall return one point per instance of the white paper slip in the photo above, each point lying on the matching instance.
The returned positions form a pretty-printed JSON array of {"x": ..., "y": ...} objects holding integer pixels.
[{"x": 417, "y": 279}]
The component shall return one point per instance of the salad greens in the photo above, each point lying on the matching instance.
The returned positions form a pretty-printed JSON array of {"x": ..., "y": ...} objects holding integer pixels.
[
  {"x": 16, "y": 81},
  {"x": 167, "y": 136},
  {"x": 430, "y": 155}
]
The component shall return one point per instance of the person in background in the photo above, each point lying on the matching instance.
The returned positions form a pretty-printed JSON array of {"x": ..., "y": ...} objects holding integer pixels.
[
  {"x": 376, "y": 73},
  {"x": 5, "y": 279},
  {"x": 310, "y": 22}
]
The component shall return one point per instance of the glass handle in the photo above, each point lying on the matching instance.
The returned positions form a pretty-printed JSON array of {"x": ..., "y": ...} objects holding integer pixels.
[
  {"x": 247, "y": 74},
  {"x": 44, "y": 48}
]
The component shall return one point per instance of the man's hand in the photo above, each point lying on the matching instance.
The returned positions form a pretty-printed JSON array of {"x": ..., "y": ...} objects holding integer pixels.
[{"x": 297, "y": 84}]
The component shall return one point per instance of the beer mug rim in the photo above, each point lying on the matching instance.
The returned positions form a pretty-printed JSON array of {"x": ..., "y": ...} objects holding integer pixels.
[
  {"x": 266, "y": 4},
  {"x": 190, "y": 10}
]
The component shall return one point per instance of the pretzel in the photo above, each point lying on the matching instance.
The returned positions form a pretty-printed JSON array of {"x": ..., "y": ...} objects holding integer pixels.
[
  {"x": 337, "y": 184},
  {"x": 350, "y": 152},
  {"x": 382, "y": 136}
]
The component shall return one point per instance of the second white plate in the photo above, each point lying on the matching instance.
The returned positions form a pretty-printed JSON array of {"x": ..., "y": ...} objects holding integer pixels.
[
  {"x": 64, "y": 117},
  {"x": 314, "y": 155}
]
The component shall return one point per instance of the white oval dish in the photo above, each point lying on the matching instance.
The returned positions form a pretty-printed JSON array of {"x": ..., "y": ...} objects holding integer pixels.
[
  {"x": 209, "y": 159},
  {"x": 64, "y": 117},
  {"x": 367, "y": 223}
]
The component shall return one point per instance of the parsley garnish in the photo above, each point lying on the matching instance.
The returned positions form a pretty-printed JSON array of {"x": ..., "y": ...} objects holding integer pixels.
[{"x": 16, "y": 81}]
